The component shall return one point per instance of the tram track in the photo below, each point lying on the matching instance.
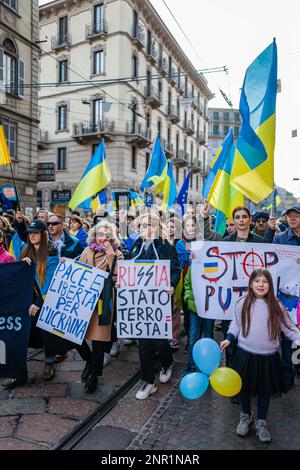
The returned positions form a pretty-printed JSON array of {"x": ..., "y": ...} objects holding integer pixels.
[{"x": 72, "y": 439}]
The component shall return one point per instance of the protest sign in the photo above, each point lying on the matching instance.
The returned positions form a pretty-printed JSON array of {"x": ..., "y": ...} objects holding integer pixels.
[
  {"x": 221, "y": 272},
  {"x": 71, "y": 299},
  {"x": 16, "y": 291},
  {"x": 144, "y": 307}
]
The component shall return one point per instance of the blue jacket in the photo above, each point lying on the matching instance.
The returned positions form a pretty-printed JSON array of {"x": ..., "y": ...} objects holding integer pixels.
[
  {"x": 72, "y": 247},
  {"x": 82, "y": 236},
  {"x": 183, "y": 253},
  {"x": 287, "y": 238}
]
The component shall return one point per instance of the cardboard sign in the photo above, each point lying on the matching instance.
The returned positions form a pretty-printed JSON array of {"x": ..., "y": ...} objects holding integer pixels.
[{"x": 144, "y": 308}]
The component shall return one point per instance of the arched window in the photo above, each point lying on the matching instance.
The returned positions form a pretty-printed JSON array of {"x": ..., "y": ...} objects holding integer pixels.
[{"x": 12, "y": 69}]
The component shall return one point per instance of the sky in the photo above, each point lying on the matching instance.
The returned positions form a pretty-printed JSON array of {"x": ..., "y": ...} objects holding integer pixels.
[{"x": 233, "y": 33}]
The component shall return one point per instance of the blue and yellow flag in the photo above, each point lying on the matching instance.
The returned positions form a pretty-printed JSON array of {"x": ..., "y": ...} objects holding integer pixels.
[
  {"x": 217, "y": 188},
  {"x": 135, "y": 199},
  {"x": 16, "y": 246},
  {"x": 158, "y": 165},
  {"x": 100, "y": 200},
  {"x": 4, "y": 152},
  {"x": 95, "y": 178},
  {"x": 165, "y": 184},
  {"x": 277, "y": 199},
  {"x": 253, "y": 167}
]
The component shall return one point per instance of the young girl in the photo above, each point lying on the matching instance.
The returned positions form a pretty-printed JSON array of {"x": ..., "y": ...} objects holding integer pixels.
[{"x": 257, "y": 324}]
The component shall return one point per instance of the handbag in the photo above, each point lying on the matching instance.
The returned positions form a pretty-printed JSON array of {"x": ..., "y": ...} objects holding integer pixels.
[{"x": 106, "y": 302}]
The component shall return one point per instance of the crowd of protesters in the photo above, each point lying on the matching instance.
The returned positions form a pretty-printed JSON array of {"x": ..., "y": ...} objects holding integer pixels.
[{"x": 104, "y": 239}]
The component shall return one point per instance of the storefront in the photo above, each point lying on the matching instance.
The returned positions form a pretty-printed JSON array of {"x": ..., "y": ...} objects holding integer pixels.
[{"x": 60, "y": 201}]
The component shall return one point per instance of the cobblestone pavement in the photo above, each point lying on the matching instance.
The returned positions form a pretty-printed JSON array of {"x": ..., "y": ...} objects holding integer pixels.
[{"x": 39, "y": 415}]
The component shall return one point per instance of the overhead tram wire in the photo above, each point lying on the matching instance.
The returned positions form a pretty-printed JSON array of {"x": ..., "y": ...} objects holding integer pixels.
[{"x": 195, "y": 50}]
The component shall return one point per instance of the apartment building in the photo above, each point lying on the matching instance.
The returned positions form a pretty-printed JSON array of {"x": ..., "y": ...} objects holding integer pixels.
[
  {"x": 113, "y": 70},
  {"x": 220, "y": 121},
  {"x": 18, "y": 97}
]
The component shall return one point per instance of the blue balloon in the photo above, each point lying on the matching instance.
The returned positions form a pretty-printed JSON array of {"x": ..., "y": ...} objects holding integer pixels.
[
  {"x": 207, "y": 355},
  {"x": 193, "y": 385}
]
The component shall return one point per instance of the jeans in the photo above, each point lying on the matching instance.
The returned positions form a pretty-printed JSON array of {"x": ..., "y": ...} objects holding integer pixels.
[
  {"x": 194, "y": 335},
  {"x": 147, "y": 348},
  {"x": 287, "y": 352},
  {"x": 208, "y": 327},
  {"x": 262, "y": 405}
]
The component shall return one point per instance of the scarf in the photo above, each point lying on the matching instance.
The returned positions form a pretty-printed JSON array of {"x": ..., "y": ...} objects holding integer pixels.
[{"x": 100, "y": 248}]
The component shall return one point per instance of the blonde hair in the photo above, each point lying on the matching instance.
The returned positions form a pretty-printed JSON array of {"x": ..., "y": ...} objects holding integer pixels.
[
  {"x": 1, "y": 237},
  {"x": 114, "y": 237},
  {"x": 155, "y": 220},
  {"x": 6, "y": 223}
]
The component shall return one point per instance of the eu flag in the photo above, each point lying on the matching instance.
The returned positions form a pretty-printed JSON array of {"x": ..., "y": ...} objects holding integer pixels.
[{"x": 182, "y": 197}]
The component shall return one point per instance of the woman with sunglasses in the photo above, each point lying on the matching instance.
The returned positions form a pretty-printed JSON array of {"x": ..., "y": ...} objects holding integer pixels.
[
  {"x": 151, "y": 245},
  {"x": 102, "y": 252}
]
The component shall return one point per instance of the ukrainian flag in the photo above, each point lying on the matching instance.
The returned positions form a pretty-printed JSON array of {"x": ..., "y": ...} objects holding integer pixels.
[
  {"x": 99, "y": 200},
  {"x": 135, "y": 199},
  {"x": 277, "y": 199},
  {"x": 253, "y": 168},
  {"x": 158, "y": 165},
  {"x": 211, "y": 267},
  {"x": 165, "y": 184},
  {"x": 95, "y": 178},
  {"x": 16, "y": 246},
  {"x": 4, "y": 152},
  {"x": 217, "y": 188}
]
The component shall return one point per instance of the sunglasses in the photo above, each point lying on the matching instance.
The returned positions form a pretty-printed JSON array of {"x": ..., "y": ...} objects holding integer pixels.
[
  {"x": 145, "y": 225},
  {"x": 103, "y": 234},
  {"x": 53, "y": 223},
  {"x": 261, "y": 221}
]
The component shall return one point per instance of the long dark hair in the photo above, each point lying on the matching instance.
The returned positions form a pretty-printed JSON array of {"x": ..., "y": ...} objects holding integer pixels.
[
  {"x": 276, "y": 315},
  {"x": 39, "y": 256}
]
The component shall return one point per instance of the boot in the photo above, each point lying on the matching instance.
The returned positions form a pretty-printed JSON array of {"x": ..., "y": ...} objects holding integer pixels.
[
  {"x": 86, "y": 372},
  {"x": 91, "y": 384}
]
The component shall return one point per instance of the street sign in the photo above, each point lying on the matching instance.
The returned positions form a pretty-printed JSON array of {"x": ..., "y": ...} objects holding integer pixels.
[
  {"x": 59, "y": 197},
  {"x": 45, "y": 171}
]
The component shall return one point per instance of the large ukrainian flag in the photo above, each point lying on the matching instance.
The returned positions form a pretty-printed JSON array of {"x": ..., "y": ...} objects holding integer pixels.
[
  {"x": 253, "y": 167},
  {"x": 158, "y": 165},
  {"x": 95, "y": 178},
  {"x": 217, "y": 188},
  {"x": 4, "y": 152}
]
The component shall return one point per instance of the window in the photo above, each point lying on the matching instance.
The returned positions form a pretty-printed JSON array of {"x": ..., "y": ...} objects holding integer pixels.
[
  {"x": 11, "y": 136},
  {"x": 148, "y": 120},
  {"x": 191, "y": 181},
  {"x": 169, "y": 135},
  {"x": 215, "y": 129},
  {"x": 97, "y": 111},
  {"x": 178, "y": 107},
  {"x": 185, "y": 119},
  {"x": 12, "y": 70},
  {"x": 159, "y": 128},
  {"x": 197, "y": 183},
  {"x": 159, "y": 89},
  {"x": 184, "y": 175},
  {"x": 169, "y": 101},
  {"x": 133, "y": 158},
  {"x": 225, "y": 130},
  {"x": 178, "y": 78},
  {"x": 236, "y": 116},
  {"x": 185, "y": 86},
  {"x": 149, "y": 42},
  {"x": 98, "y": 62},
  {"x": 13, "y": 4},
  {"x": 147, "y": 160},
  {"x": 135, "y": 66},
  {"x": 98, "y": 18},
  {"x": 192, "y": 152},
  {"x": 62, "y": 158},
  {"x": 177, "y": 174},
  {"x": 135, "y": 23},
  {"x": 62, "y": 118},
  {"x": 63, "y": 30},
  {"x": 216, "y": 115},
  {"x": 226, "y": 116},
  {"x": 236, "y": 131},
  {"x": 177, "y": 145},
  {"x": 63, "y": 71}
]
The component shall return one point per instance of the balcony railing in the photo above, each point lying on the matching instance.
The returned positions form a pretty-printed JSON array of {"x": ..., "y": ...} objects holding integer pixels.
[
  {"x": 152, "y": 97},
  {"x": 196, "y": 166},
  {"x": 61, "y": 40},
  {"x": 172, "y": 76},
  {"x": 200, "y": 137},
  {"x": 95, "y": 29},
  {"x": 163, "y": 65},
  {"x": 86, "y": 129},
  {"x": 168, "y": 147},
  {"x": 188, "y": 127},
  {"x": 152, "y": 55},
  {"x": 138, "y": 37},
  {"x": 43, "y": 139},
  {"x": 137, "y": 134},
  {"x": 172, "y": 113}
]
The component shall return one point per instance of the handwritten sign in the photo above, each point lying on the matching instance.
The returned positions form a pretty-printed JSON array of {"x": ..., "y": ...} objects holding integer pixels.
[
  {"x": 221, "y": 272},
  {"x": 144, "y": 307},
  {"x": 71, "y": 299}
]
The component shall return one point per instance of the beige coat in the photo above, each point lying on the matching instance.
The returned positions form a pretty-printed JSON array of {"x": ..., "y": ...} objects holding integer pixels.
[{"x": 102, "y": 261}]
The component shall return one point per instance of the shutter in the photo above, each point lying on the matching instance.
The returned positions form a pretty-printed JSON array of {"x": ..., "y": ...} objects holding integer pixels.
[
  {"x": 21, "y": 78},
  {"x": 1, "y": 69}
]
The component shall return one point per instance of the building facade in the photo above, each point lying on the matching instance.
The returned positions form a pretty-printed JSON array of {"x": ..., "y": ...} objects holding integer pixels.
[
  {"x": 18, "y": 95},
  {"x": 113, "y": 70},
  {"x": 220, "y": 121}
]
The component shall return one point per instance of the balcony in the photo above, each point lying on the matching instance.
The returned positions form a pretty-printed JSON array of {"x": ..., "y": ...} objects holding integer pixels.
[
  {"x": 172, "y": 113},
  {"x": 43, "y": 142},
  {"x": 182, "y": 158},
  {"x": 152, "y": 55},
  {"x": 200, "y": 137},
  {"x": 137, "y": 135},
  {"x": 96, "y": 30},
  {"x": 152, "y": 97},
  {"x": 195, "y": 166},
  {"x": 215, "y": 118},
  {"x": 168, "y": 148},
  {"x": 163, "y": 66},
  {"x": 205, "y": 169},
  {"x": 172, "y": 77},
  {"x": 85, "y": 132},
  {"x": 138, "y": 37},
  {"x": 62, "y": 41},
  {"x": 188, "y": 128}
]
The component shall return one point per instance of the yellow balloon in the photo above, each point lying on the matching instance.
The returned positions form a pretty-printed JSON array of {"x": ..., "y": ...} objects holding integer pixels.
[{"x": 226, "y": 381}]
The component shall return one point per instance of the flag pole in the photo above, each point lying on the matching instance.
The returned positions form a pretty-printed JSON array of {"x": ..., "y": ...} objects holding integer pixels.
[{"x": 15, "y": 186}]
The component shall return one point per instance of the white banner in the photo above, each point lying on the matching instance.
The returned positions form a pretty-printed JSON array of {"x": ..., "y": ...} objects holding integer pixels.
[
  {"x": 71, "y": 299},
  {"x": 144, "y": 308},
  {"x": 221, "y": 272},
  {"x": 186, "y": 103}
]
